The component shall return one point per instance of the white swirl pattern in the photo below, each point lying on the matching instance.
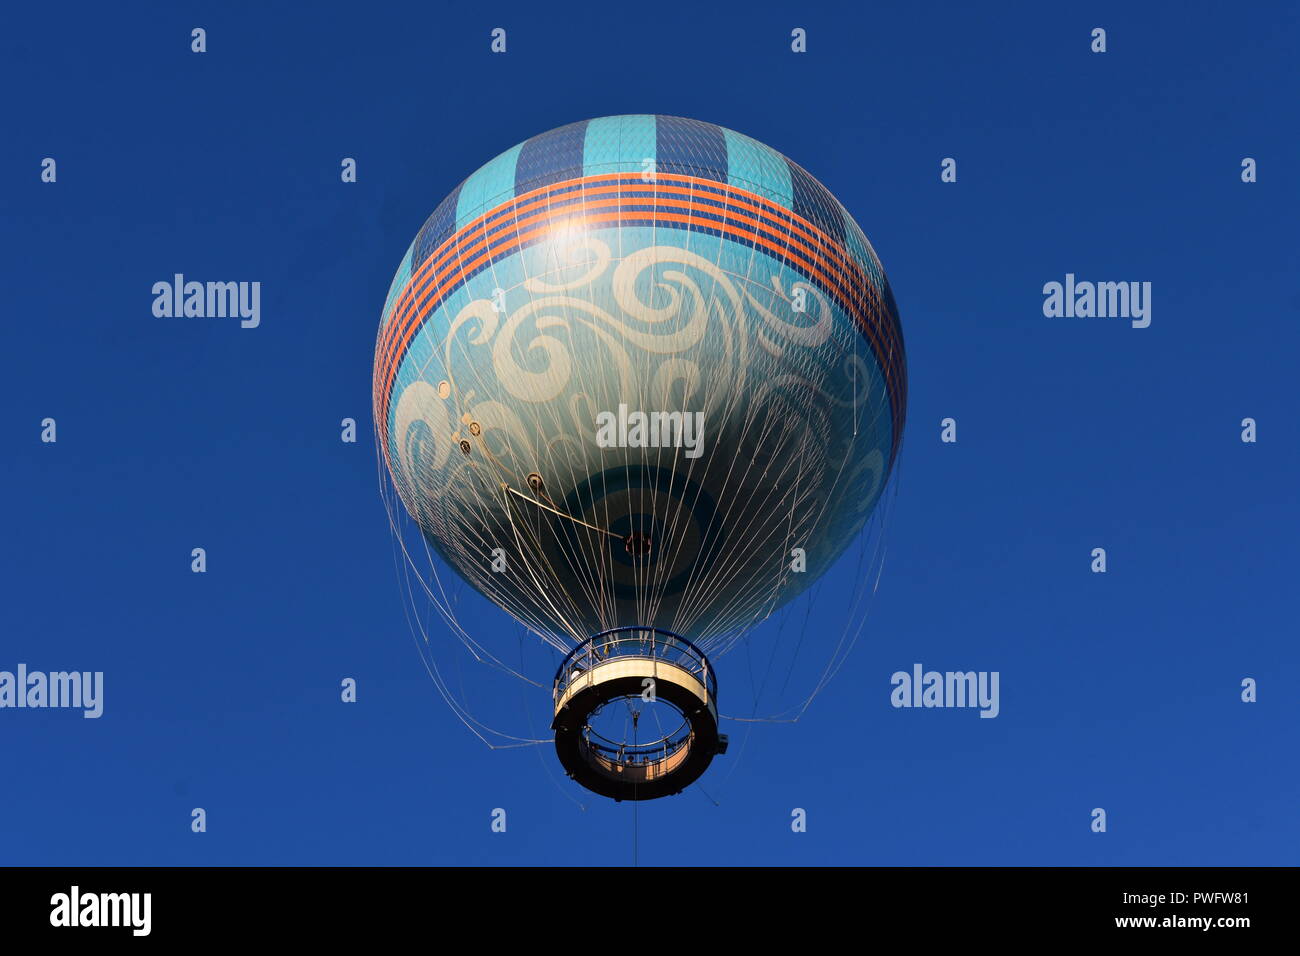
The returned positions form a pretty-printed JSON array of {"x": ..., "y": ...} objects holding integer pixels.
[{"x": 662, "y": 328}]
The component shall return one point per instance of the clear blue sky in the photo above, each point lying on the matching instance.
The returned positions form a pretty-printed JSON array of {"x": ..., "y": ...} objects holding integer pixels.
[{"x": 1118, "y": 690}]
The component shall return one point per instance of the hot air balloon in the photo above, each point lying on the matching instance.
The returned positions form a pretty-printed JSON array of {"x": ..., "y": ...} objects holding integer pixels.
[{"x": 639, "y": 381}]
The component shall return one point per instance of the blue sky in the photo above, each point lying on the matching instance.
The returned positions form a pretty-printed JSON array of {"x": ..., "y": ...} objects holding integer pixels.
[{"x": 1118, "y": 690}]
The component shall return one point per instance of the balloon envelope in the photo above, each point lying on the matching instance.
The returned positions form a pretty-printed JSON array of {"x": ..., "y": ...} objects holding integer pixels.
[{"x": 640, "y": 370}]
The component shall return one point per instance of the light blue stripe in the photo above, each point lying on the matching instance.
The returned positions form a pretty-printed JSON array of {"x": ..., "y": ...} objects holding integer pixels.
[
  {"x": 753, "y": 166},
  {"x": 492, "y": 185},
  {"x": 619, "y": 144}
]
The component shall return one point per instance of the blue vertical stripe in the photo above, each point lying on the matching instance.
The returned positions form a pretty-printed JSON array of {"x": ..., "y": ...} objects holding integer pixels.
[
  {"x": 690, "y": 148},
  {"x": 811, "y": 201},
  {"x": 551, "y": 158},
  {"x": 436, "y": 229}
]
